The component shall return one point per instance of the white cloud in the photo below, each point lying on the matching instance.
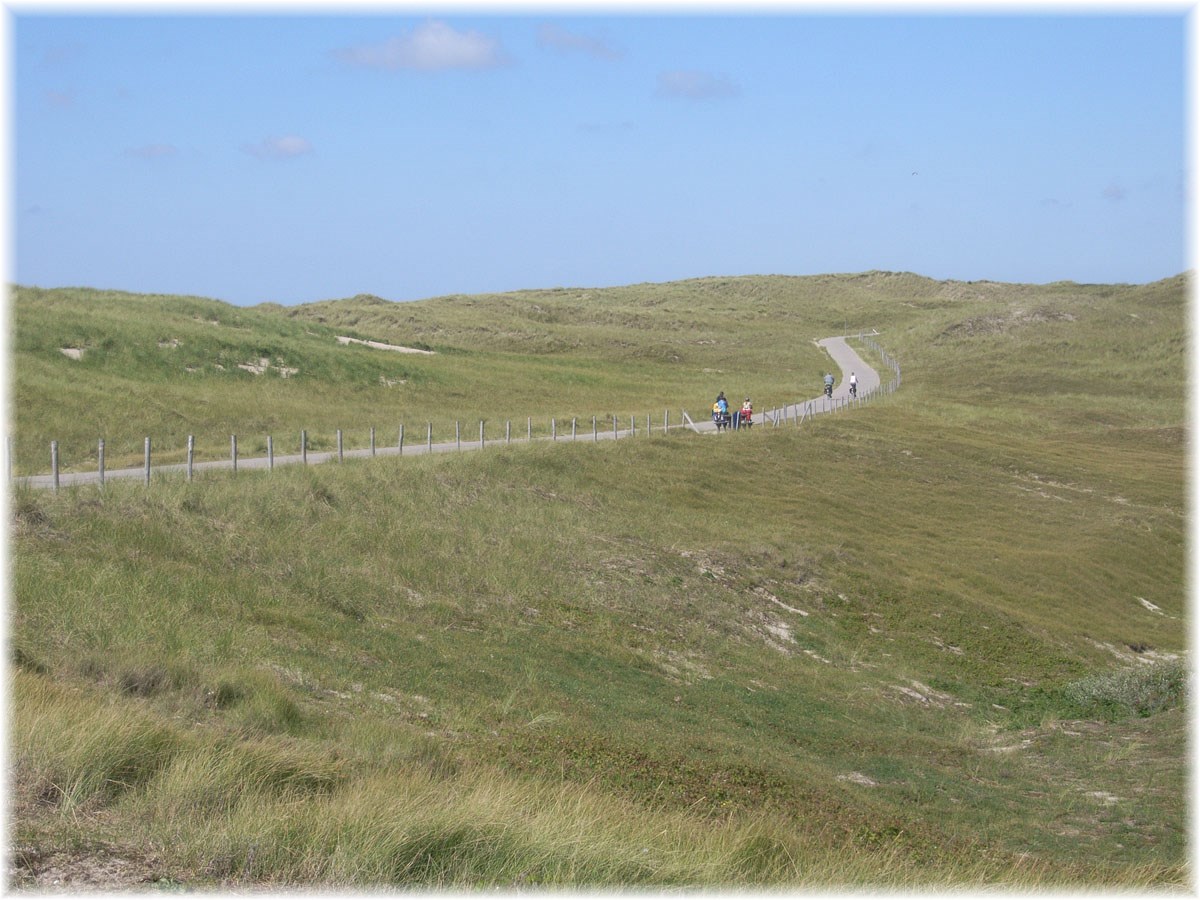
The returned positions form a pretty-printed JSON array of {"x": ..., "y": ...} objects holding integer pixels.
[
  {"x": 60, "y": 99},
  {"x": 434, "y": 46},
  {"x": 152, "y": 151},
  {"x": 694, "y": 85},
  {"x": 287, "y": 147},
  {"x": 559, "y": 38}
]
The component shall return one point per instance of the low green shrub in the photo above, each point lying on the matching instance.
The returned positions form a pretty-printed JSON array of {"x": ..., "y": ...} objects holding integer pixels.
[{"x": 1137, "y": 691}]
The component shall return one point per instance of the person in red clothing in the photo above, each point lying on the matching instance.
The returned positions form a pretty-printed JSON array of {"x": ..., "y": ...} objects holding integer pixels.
[{"x": 746, "y": 418}]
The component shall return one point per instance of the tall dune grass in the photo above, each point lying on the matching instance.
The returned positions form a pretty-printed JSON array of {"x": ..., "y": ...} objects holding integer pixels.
[{"x": 844, "y": 654}]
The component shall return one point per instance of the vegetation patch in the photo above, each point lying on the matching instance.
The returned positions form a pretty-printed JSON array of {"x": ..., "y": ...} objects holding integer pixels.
[
  {"x": 936, "y": 641},
  {"x": 1140, "y": 690}
]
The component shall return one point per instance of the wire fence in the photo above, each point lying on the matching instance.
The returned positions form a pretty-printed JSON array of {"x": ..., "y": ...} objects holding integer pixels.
[{"x": 401, "y": 441}]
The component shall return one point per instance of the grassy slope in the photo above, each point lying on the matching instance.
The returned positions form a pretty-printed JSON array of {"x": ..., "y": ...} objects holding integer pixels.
[
  {"x": 837, "y": 654},
  {"x": 168, "y": 367}
]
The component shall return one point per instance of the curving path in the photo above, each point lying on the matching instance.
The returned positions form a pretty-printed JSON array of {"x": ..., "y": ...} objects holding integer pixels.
[
  {"x": 847, "y": 359},
  {"x": 841, "y": 353}
]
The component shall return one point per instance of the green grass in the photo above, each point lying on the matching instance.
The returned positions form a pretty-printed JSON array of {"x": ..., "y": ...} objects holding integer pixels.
[
  {"x": 166, "y": 368},
  {"x": 931, "y": 642}
]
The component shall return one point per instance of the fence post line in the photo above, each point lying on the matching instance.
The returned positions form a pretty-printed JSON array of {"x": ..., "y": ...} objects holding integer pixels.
[
  {"x": 54, "y": 463},
  {"x": 647, "y": 424},
  {"x": 574, "y": 430},
  {"x": 270, "y": 454},
  {"x": 481, "y": 434},
  {"x": 147, "y": 462},
  {"x": 339, "y": 440},
  {"x": 595, "y": 432},
  {"x": 372, "y": 440},
  {"x": 400, "y": 441},
  {"x": 233, "y": 451},
  {"x": 457, "y": 435},
  {"x": 191, "y": 455},
  {"x": 100, "y": 461},
  {"x": 553, "y": 429},
  {"x": 304, "y": 446},
  {"x": 529, "y": 428},
  {"x": 428, "y": 437},
  {"x": 666, "y": 420},
  {"x": 508, "y": 431}
]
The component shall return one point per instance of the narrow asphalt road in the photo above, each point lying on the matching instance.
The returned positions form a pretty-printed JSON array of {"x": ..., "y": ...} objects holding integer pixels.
[
  {"x": 847, "y": 359},
  {"x": 843, "y": 356}
]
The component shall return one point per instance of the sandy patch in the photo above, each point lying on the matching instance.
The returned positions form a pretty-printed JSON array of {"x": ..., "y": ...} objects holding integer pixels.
[
  {"x": 1136, "y": 655},
  {"x": 377, "y": 345},
  {"x": 767, "y": 595},
  {"x": 257, "y": 368},
  {"x": 859, "y": 778},
  {"x": 924, "y": 694}
]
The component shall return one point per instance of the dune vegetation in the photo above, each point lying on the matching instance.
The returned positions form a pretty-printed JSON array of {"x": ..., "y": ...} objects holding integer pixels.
[{"x": 934, "y": 641}]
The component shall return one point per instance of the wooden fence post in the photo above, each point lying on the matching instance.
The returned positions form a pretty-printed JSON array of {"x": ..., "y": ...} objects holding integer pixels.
[
  {"x": 100, "y": 461},
  {"x": 428, "y": 437},
  {"x": 400, "y": 442},
  {"x": 508, "y": 431},
  {"x": 233, "y": 451},
  {"x": 481, "y": 434},
  {"x": 191, "y": 455},
  {"x": 54, "y": 463},
  {"x": 304, "y": 446},
  {"x": 147, "y": 462},
  {"x": 270, "y": 454},
  {"x": 372, "y": 440},
  {"x": 339, "y": 443},
  {"x": 457, "y": 435}
]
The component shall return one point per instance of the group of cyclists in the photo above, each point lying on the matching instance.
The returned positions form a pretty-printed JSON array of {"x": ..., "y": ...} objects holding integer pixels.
[
  {"x": 853, "y": 382},
  {"x": 740, "y": 418},
  {"x": 744, "y": 417}
]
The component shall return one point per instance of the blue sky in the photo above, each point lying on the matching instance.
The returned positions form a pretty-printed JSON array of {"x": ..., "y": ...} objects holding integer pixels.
[{"x": 300, "y": 155}]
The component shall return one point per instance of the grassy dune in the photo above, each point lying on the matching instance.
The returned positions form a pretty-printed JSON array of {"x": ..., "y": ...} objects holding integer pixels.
[{"x": 932, "y": 642}]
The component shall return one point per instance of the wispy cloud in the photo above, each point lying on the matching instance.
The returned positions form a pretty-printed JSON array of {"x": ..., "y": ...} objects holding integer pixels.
[
  {"x": 61, "y": 54},
  {"x": 1114, "y": 192},
  {"x": 60, "y": 99},
  {"x": 152, "y": 151},
  {"x": 287, "y": 147},
  {"x": 693, "y": 85},
  {"x": 431, "y": 47},
  {"x": 558, "y": 38}
]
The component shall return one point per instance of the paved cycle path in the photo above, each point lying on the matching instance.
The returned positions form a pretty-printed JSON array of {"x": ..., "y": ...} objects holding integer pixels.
[
  {"x": 841, "y": 353},
  {"x": 847, "y": 359}
]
